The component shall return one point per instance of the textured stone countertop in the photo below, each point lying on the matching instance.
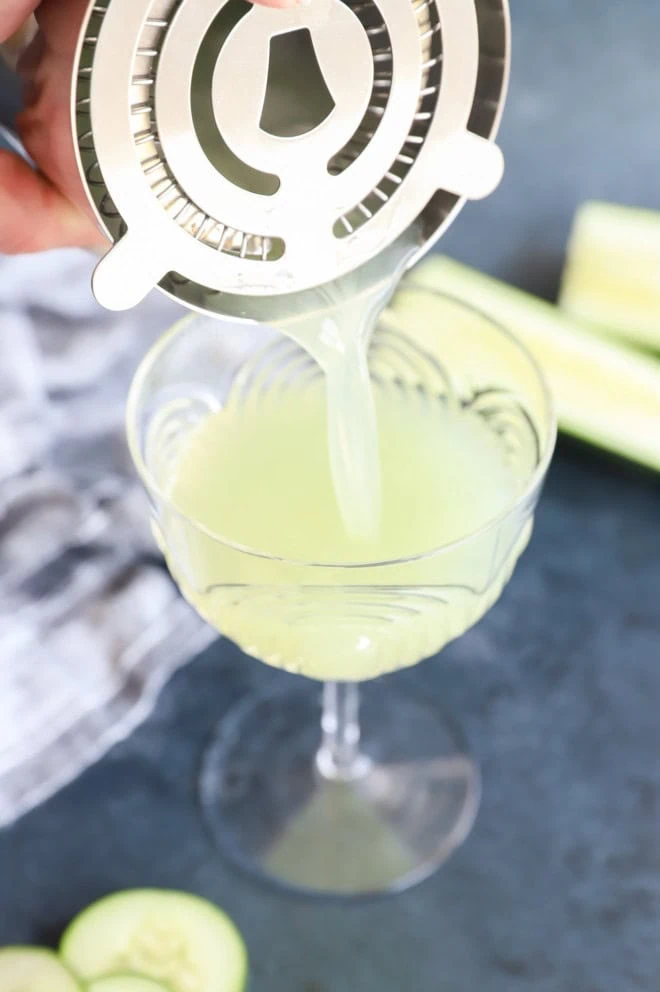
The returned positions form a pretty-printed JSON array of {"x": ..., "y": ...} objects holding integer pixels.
[{"x": 558, "y": 887}]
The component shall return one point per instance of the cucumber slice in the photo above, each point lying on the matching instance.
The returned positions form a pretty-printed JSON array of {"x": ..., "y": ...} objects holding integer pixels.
[
  {"x": 606, "y": 394},
  {"x": 173, "y": 937},
  {"x": 126, "y": 983},
  {"x": 34, "y": 969},
  {"x": 612, "y": 274}
]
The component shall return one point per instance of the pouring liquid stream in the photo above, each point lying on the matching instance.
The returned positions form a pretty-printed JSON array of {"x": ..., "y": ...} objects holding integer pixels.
[{"x": 336, "y": 332}]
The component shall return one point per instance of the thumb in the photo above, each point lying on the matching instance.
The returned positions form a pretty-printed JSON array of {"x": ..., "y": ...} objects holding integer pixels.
[
  {"x": 34, "y": 215},
  {"x": 14, "y": 16}
]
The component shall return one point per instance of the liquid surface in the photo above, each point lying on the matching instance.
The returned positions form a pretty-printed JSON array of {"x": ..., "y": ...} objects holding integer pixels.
[{"x": 259, "y": 474}]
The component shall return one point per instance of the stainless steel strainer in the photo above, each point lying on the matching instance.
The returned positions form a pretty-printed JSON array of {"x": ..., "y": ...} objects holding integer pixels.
[{"x": 233, "y": 152}]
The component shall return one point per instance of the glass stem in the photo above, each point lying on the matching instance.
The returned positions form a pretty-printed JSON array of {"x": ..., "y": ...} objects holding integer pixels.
[{"x": 339, "y": 756}]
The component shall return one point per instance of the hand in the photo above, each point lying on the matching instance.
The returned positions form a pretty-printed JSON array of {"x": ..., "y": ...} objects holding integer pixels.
[{"x": 48, "y": 208}]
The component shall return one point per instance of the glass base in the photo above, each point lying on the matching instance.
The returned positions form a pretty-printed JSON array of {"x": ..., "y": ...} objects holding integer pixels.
[{"x": 274, "y": 807}]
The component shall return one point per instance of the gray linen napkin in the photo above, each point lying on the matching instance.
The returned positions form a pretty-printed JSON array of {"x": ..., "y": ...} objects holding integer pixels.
[{"x": 91, "y": 626}]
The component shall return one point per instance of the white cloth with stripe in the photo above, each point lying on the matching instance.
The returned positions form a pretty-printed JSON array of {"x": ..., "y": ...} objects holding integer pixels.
[{"x": 91, "y": 626}]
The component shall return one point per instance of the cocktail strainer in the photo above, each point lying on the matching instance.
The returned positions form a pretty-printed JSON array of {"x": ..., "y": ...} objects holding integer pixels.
[{"x": 233, "y": 151}]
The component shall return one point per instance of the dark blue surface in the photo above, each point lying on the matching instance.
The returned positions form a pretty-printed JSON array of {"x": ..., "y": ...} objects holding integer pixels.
[
  {"x": 582, "y": 122},
  {"x": 558, "y": 888}
]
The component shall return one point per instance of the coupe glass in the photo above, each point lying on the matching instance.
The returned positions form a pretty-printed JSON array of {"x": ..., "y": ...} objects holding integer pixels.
[{"x": 334, "y": 788}]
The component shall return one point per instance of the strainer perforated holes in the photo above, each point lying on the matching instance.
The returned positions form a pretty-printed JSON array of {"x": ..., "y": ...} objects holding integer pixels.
[{"x": 191, "y": 176}]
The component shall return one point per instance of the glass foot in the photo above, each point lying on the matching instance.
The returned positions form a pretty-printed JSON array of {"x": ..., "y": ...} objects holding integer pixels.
[{"x": 274, "y": 806}]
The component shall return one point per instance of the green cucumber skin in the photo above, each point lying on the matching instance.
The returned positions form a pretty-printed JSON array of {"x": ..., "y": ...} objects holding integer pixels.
[
  {"x": 610, "y": 282},
  {"x": 70, "y": 933},
  {"x": 536, "y": 322},
  {"x": 44, "y": 952}
]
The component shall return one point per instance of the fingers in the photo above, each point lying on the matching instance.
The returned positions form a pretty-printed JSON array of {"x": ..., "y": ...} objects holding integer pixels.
[
  {"x": 30, "y": 58},
  {"x": 45, "y": 129},
  {"x": 13, "y": 15},
  {"x": 62, "y": 31},
  {"x": 34, "y": 216}
]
